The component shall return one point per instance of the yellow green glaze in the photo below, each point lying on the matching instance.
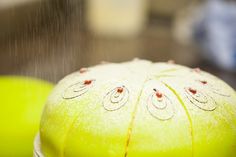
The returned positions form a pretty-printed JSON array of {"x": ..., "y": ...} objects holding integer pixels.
[
  {"x": 22, "y": 100},
  {"x": 87, "y": 116}
]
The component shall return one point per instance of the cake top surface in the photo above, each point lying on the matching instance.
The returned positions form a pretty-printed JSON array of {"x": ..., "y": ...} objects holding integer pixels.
[{"x": 116, "y": 109}]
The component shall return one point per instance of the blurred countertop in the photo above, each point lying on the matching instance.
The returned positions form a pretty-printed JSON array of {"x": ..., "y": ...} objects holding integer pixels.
[{"x": 61, "y": 45}]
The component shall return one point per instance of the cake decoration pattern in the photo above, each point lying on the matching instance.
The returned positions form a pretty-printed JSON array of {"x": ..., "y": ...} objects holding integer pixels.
[
  {"x": 116, "y": 98},
  {"x": 200, "y": 99},
  {"x": 143, "y": 109},
  {"x": 78, "y": 89},
  {"x": 214, "y": 89},
  {"x": 160, "y": 106}
]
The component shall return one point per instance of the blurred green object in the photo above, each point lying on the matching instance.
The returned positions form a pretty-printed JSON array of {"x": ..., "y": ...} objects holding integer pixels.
[{"x": 22, "y": 100}]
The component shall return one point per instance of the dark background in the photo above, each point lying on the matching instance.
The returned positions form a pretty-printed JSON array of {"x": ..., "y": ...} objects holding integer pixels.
[{"x": 50, "y": 39}]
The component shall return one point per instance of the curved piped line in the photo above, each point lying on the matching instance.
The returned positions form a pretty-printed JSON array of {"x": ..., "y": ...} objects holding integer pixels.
[
  {"x": 77, "y": 92},
  {"x": 36, "y": 153},
  {"x": 187, "y": 113},
  {"x": 67, "y": 133},
  {"x": 110, "y": 94},
  {"x": 169, "y": 70},
  {"x": 131, "y": 124},
  {"x": 152, "y": 96},
  {"x": 171, "y": 115},
  {"x": 64, "y": 144},
  {"x": 163, "y": 76},
  {"x": 192, "y": 99}
]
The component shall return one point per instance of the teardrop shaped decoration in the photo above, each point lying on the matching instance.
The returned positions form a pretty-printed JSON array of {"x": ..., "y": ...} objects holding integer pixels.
[
  {"x": 214, "y": 88},
  {"x": 116, "y": 98},
  {"x": 78, "y": 89},
  {"x": 219, "y": 91},
  {"x": 200, "y": 99},
  {"x": 160, "y": 106}
]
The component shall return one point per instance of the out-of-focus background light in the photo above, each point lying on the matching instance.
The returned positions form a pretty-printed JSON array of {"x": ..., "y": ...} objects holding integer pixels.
[
  {"x": 51, "y": 38},
  {"x": 48, "y": 39}
]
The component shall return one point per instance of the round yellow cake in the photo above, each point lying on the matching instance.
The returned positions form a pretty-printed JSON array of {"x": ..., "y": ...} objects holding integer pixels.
[{"x": 139, "y": 109}]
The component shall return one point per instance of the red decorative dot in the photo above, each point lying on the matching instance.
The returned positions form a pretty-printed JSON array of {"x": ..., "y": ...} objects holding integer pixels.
[
  {"x": 159, "y": 94},
  {"x": 203, "y": 82},
  {"x": 87, "y": 82},
  {"x": 197, "y": 70},
  {"x": 83, "y": 70},
  {"x": 120, "y": 89},
  {"x": 193, "y": 91}
]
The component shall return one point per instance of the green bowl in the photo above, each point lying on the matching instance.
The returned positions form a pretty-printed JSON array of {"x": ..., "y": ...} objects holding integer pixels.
[{"x": 22, "y": 100}]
